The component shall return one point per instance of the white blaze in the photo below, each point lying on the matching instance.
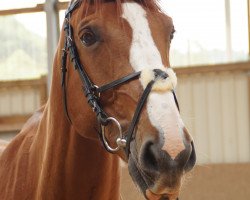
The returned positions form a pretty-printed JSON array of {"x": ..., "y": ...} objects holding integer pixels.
[{"x": 144, "y": 54}]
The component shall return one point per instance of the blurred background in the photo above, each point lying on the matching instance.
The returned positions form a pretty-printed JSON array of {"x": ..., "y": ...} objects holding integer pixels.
[{"x": 210, "y": 54}]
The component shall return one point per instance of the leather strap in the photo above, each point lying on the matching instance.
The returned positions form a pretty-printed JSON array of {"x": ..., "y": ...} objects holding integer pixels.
[
  {"x": 72, "y": 6},
  {"x": 118, "y": 82},
  {"x": 63, "y": 81},
  {"x": 176, "y": 101},
  {"x": 137, "y": 114}
]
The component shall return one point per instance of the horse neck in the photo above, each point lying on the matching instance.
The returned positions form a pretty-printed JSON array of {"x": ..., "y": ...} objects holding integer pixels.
[{"x": 76, "y": 165}]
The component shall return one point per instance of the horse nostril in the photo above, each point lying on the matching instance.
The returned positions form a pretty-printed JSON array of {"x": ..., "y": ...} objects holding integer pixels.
[
  {"x": 149, "y": 157},
  {"x": 153, "y": 159},
  {"x": 192, "y": 159}
]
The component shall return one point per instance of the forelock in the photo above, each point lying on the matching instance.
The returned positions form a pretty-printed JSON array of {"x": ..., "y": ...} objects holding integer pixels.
[{"x": 150, "y": 4}]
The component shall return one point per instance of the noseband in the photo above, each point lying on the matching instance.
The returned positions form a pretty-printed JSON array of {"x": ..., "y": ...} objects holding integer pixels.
[{"x": 92, "y": 92}]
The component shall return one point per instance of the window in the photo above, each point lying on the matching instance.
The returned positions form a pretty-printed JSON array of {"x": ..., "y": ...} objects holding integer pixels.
[
  {"x": 12, "y": 4},
  {"x": 61, "y": 17},
  {"x": 208, "y": 31},
  {"x": 23, "y": 52}
]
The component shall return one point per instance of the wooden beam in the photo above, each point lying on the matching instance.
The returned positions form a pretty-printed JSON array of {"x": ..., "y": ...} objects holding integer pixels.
[
  {"x": 24, "y": 83},
  {"x": 248, "y": 10},
  {"x": 37, "y": 8},
  {"x": 241, "y": 66},
  {"x": 62, "y": 5},
  {"x": 53, "y": 33}
]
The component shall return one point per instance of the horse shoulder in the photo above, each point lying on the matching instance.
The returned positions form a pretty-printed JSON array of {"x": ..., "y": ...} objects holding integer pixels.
[
  {"x": 15, "y": 163},
  {"x": 27, "y": 128}
]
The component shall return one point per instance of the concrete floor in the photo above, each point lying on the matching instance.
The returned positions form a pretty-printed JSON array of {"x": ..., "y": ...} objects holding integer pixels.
[{"x": 208, "y": 182}]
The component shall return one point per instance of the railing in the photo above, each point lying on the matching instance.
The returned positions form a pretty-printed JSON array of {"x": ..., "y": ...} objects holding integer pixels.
[
  {"x": 37, "y": 8},
  {"x": 214, "y": 104},
  {"x": 18, "y": 100}
]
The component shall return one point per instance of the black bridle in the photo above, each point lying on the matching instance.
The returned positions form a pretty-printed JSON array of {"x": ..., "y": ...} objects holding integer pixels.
[{"x": 92, "y": 92}]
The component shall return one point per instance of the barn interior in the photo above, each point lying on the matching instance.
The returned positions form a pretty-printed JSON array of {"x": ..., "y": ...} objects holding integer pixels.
[{"x": 210, "y": 55}]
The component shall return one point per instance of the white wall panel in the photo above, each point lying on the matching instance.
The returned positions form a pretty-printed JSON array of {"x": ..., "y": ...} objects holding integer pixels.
[
  {"x": 5, "y": 105},
  {"x": 242, "y": 117},
  {"x": 229, "y": 107},
  {"x": 215, "y": 108},
  {"x": 19, "y": 100},
  {"x": 200, "y": 117},
  {"x": 214, "y": 120},
  {"x": 185, "y": 97},
  {"x": 29, "y": 101},
  {"x": 16, "y": 98}
]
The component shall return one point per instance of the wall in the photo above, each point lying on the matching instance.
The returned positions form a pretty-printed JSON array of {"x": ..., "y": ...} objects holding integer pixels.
[
  {"x": 18, "y": 100},
  {"x": 215, "y": 107},
  {"x": 214, "y": 103}
]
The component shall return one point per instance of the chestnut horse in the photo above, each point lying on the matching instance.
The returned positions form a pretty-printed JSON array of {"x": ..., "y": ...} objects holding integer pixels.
[{"x": 122, "y": 47}]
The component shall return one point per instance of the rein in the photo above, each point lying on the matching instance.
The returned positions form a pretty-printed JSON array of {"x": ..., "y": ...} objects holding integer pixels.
[{"x": 93, "y": 92}]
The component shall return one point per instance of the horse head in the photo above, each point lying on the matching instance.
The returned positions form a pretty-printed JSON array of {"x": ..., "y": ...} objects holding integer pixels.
[{"x": 118, "y": 67}]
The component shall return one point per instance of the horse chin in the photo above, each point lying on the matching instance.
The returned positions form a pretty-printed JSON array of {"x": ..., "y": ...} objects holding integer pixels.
[
  {"x": 137, "y": 176},
  {"x": 168, "y": 196},
  {"x": 148, "y": 184}
]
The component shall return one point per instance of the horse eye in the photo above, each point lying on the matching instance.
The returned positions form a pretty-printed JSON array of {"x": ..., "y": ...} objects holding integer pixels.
[{"x": 88, "y": 37}]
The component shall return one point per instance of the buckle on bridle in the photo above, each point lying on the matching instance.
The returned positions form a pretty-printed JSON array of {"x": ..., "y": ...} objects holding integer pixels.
[
  {"x": 120, "y": 141},
  {"x": 95, "y": 91}
]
